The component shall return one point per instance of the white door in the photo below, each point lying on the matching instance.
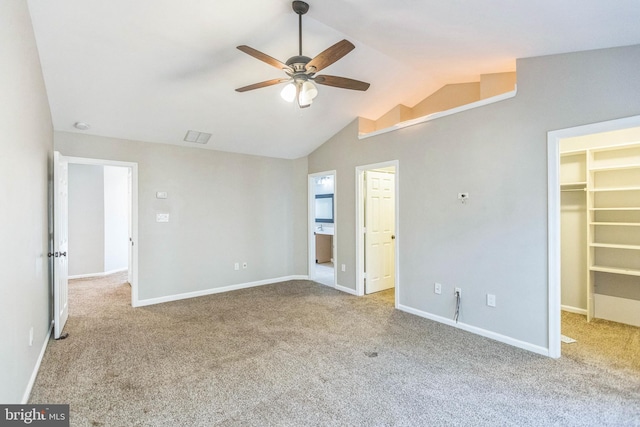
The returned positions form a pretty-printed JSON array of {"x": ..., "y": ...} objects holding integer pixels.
[
  {"x": 60, "y": 242},
  {"x": 380, "y": 233},
  {"x": 130, "y": 223}
]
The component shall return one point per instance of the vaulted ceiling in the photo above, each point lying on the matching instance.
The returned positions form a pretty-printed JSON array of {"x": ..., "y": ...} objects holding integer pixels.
[{"x": 150, "y": 70}]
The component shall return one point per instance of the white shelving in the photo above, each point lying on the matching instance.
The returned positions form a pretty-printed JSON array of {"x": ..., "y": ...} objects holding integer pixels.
[
  {"x": 615, "y": 246},
  {"x": 615, "y": 189},
  {"x": 613, "y": 216},
  {"x": 618, "y": 224},
  {"x": 627, "y": 271}
]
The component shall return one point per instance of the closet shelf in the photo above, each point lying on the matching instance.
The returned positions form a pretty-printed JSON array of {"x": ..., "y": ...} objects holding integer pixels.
[
  {"x": 624, "y": 224},
  {"x": 615, "y": 167},
  {"x": 615, "y": 189},
  {"x": 631, "y": 208},
  {"x": 573, "y": 152},
  {"x": 580, "y": 184},
  {"x": 614, "y": 246},
  {"x": 615, "y": 270}
]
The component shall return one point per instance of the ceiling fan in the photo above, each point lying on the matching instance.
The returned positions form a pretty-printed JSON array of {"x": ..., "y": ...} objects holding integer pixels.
[{"x": 301, "y": 70}]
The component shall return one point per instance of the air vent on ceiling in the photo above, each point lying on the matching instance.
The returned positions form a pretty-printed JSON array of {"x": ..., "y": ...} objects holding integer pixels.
[{"x": 197, "y": 137}]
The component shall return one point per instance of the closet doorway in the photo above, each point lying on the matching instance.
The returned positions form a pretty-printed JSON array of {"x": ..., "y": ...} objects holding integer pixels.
[
  {"x": 377, "y": 225},
  {"x": 594, "y": 238},
  {"x": 322, "y": 227},
  {"x": 103, "y": 220}
]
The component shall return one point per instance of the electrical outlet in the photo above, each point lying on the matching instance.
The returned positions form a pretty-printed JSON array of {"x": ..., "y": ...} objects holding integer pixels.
[
  {"x": 491, "y": 300},
  {"x": 244, "y": 265},
  {"x": 344, "y": 267},
  {"x": 437, "y": 288},
  {"x": 457, "y": 291},
  {"x": 236, "y": 266}
]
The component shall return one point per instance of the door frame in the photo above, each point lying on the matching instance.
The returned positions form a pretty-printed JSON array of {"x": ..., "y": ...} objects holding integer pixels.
[
  {"x": 360, "y": 252},
  {"x": 553, "y": 218},
  {"x": 133, "y": 199},
  {"x": 311, "y": 221}
]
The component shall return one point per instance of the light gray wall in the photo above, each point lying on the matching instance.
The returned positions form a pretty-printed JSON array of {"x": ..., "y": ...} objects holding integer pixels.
[
  {"x": 497, "y": 241},
  {"x": 86, "y": 219},
  {"x": 26, "y": 143},
  {"x": 223, "y": 208}
]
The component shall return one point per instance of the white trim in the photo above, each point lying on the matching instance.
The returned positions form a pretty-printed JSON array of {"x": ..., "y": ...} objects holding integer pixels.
[
  {"x": 616, "y": 309},
  {"x": 478, "y": 331},
  {"x": 553, "y": 251},
  {"x": 134, "y": 212},
  {"x": 360, "y": 221},
  {"x": 311, "y": 225},
  {"x": 553, "y": 226},
  {"x": 36, "y": 368},
  {"x": 88, "y": 275},
  {"x": 186, "y": 295},
  {"x": 423, "y": 119},
  {"x": 346, "y": 290},
  {"x": 575, "y": 310}
]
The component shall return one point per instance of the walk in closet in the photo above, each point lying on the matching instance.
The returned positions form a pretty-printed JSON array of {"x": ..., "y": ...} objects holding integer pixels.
[{"x": 600, "y": 223}]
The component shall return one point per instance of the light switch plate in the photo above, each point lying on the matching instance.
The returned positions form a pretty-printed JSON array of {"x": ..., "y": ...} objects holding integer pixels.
[
  {"x": 162, "y": 217},
  {"x": 491, "y": 300}
]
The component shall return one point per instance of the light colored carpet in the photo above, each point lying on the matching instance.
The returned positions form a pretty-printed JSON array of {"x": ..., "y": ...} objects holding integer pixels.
[
  {"x": 302, "y": 354},
  {"x": 602, "y": 342}
]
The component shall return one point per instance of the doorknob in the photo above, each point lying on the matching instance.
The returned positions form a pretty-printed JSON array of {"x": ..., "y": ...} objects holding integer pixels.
[{"x": 393, "y": 237}]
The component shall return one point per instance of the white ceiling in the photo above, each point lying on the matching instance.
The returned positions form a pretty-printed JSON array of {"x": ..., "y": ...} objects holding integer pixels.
[{"x": 150, "y": 70}]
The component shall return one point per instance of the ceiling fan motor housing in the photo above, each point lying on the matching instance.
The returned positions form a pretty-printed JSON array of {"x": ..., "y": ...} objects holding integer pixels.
[{"x": 298, "y": 63}]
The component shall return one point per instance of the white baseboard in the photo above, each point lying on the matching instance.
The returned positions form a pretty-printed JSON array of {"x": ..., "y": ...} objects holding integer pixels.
[
  {"x": 345, "y": 289},
  {"x": 177, "y": 297},
  {"x": 106, "y": 273},
  {"x": 36, "y": 368},
  {"x": 576, "y": 310},
  {"x": 621, "y": 310},
  {"x": 478, "y": 331}
]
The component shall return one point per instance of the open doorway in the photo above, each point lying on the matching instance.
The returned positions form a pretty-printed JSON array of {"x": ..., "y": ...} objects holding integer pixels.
[
  {"x": 322, "y": 227},
  {"x": 377, "y": 222},
  {"x": 594, "y": 237},
  {"x": 99, "y": 229},
  {"x": 103, "y": 220}
]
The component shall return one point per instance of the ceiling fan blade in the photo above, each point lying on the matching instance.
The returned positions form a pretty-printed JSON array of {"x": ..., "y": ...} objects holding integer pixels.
[
  {"x": 341, "y": 82},
  {"x": 264, "y": 58},
  {"x": 261, "y": 84},
  {"x": 329, "y": 56}
]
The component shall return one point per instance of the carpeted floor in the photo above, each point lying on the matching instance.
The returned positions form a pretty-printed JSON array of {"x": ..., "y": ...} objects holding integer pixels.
[
  {"x": 302, "y": 354},
  {"x": 602, "y": 342}
]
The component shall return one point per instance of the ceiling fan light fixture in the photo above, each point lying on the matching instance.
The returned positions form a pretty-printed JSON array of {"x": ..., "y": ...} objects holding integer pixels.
[
  {"x": 288, "y": 92},
  {"x": 308, "y": 91}
]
